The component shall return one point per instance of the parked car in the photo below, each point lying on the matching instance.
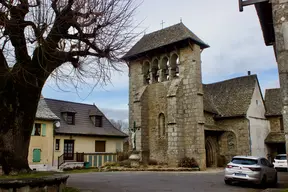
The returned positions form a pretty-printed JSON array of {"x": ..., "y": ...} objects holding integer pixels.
[
  {"x": 280, "y": 162},
  {"x": 257, "y": 170}
]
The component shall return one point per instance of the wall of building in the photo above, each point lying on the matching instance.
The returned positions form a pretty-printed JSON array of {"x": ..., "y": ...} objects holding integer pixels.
[
  {"x": 179, "y": 99},
  {"x": 259, "y": 125},
  {"x": 274, "y": 123},
  {"x": 240, "y": 127},
  {"x": 45, "y": 144},
  {"x": 84, "y": 144}
]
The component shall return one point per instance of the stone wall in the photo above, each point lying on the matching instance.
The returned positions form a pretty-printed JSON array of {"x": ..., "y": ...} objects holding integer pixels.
[
  {"x": 179, "y": 99},
  {"x": 274, "y": 124},
  {"x": 240, "y": 127},
  {"x": 42, "y": 184}
]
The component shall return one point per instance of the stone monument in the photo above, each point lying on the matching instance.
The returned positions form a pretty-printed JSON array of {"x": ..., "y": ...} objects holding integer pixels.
[{"x": 134, "y": 157}]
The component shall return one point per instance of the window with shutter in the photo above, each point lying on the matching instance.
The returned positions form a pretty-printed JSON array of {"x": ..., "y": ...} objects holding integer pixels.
[
  {"x": 37, "y": 129},
  {"x": 100, "y": 146},
  {"x": 36, "y": 155}
]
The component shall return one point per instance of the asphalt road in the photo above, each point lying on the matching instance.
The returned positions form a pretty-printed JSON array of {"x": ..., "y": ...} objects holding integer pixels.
[{"x": 155, "y": 182}]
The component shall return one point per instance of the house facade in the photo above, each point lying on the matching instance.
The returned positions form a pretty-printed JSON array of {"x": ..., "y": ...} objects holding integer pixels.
[
  {"x": 176, "y": 115},
  {"x": 41, "y": 152},
  {"x": 72, "y": 131},
  {"x": 276, "y": 138}
]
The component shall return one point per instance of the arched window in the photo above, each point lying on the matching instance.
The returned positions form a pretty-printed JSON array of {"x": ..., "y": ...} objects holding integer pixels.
[
  {"x": 164, "y": 69},
  {"x": 154, "y": 70},
  {"x": 145, "y": 71},
  {"x": 174, "y": 62},
  {"x": 161, "y": 125}
]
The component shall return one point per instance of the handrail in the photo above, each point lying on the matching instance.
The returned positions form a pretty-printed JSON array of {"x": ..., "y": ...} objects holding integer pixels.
[
  {"x": 70, "y": 157},
  {"x": 61, "y": 157}
]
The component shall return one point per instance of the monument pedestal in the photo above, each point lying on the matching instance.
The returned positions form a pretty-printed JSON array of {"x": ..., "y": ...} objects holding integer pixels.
[{"x": 134, "y": 159}]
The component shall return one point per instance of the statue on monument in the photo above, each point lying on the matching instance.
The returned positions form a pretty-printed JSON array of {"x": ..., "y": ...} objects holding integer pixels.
[{"x": 133, "y": 136}]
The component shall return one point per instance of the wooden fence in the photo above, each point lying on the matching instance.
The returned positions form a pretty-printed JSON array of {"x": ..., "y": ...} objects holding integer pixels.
[{"x": 98, "y": 159}]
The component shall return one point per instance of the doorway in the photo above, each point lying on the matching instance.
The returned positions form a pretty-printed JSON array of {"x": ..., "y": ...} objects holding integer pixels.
[
  {"x": 210, "y": 154},
  {"x": 68, "y": 149}
]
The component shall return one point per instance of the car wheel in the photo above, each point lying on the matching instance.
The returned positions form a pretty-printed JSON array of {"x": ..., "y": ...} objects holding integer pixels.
[
  {"x": 263, "y": 181},
  {"x": 275, "y": 180},
  {"x": 227, "y": 182}
]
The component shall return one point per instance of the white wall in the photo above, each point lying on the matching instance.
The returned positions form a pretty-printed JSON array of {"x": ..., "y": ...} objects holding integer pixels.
[{"x": 259, "y": 125}]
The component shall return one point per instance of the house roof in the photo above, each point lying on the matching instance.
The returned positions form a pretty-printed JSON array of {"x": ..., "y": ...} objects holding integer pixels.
[
  {"x": 275, "y": 137},
  {"x": 44, "y": 112},
  {"x": 83, "y": 123},
  {"x": 273, "y": 102},
  {"x": 231, "y": 97},
  {"x": 164, "y": 37}
]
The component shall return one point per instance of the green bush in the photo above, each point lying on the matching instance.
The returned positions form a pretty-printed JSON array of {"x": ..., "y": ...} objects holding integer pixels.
[{"x": 188, "y": 162}]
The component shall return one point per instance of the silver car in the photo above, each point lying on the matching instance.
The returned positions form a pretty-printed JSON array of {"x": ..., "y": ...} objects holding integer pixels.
[{"x": 256, "y": 170}]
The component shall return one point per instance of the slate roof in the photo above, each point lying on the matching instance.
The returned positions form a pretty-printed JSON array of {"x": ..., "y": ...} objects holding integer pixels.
[
  {"x": 275, "y": 137},
  {"x": 273, "y": 102},
  {"x": 164, "y": 37},
  {"x": 44, "y": 112},
  {"x": 229, "y": 98},
  {"x": 83, "y": 124}
]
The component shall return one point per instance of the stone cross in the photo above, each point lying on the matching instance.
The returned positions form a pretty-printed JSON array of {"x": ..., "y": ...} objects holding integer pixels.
[{"x": 162, "y": 23}]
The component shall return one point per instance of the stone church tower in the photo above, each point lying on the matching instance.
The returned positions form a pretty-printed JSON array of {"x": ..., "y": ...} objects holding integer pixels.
[{"x": 166, "y": 95}]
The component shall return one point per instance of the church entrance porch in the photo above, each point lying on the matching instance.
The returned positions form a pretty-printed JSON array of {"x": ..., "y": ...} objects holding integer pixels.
[{"x": 220, "y": 147}]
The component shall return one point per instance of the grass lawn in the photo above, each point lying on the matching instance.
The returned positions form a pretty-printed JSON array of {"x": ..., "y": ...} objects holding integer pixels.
[
  {"x": 81, "y": 171},
  {"x": 30, "y": 175}
]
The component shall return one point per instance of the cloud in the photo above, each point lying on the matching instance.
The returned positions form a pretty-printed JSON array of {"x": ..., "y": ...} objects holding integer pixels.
[{"x": 235, "y": 39}]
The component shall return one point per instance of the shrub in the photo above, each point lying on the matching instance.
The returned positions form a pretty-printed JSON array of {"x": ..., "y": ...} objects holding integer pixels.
[
  {"x": 121, "y": 156},
  {"x": 111, "y": 164},
  {"x": 188, "y": 162},
  {"x": 125, "y": 163},
  {"x": 152, "y": 162}
]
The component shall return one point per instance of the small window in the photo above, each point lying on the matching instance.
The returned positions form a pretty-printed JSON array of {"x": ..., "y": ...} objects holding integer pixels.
[
  {"x": 70, "y": 118},
  {"x": 37, "y": 129},
  {"x": 281, "y": 125},
  {"x": 100, "y": 146},
  {"x": 98, "y": 121},
  {"x": 57, "y": 145},
  {"x": 256, "y": 102}
]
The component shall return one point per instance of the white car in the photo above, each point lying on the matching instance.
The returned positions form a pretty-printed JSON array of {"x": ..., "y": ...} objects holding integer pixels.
[
  {"x": 280, "y": 162},
  {"x": 255, "y": 170}
]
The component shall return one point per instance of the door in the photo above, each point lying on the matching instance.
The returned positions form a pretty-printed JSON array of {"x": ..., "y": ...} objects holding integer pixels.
[{"x": 68, "y": 149}]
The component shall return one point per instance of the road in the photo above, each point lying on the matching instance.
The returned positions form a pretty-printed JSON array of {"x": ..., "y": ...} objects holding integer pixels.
[{"x": 154, "y": 182}]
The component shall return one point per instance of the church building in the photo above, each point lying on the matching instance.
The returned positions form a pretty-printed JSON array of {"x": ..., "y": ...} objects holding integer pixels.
[{"x": 176, "y": 115}]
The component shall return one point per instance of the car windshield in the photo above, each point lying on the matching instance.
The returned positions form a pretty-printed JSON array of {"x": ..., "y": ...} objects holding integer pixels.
[
  {"x": 244, "y": 161},
  {"x": 281, "y": 157}
]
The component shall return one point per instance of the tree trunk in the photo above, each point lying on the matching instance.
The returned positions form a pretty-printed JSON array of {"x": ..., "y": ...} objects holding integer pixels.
[{"x": 18, "y": 106}]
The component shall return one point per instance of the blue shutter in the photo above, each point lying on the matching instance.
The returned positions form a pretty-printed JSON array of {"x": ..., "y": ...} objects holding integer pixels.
[
  {"x": 43, "y": 129},
  {"x": 33, "y": 130},
  {"x": 36, "y": 155}
]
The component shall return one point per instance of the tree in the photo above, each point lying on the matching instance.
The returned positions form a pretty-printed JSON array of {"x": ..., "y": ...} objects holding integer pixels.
[
  {"x": 37, "y": 38},
  {"x": 121, "y": 125}
]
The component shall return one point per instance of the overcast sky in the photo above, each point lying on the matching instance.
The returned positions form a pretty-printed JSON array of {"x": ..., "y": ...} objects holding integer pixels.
[{"x": 236, "y": 46}]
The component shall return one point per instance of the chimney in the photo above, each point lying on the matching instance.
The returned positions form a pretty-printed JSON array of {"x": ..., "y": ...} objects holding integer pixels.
[{"x": 249, "y": 72}]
